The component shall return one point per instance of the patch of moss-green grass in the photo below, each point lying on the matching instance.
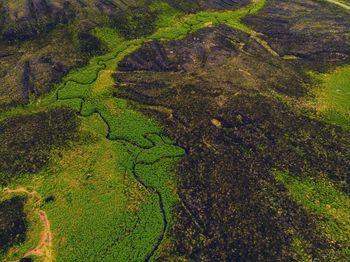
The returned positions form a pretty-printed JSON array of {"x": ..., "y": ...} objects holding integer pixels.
[
  {"x": 73, "y": 90},
  {"x": 333, "y": 96},
  {"x": 299, "y": 245},
  {"x": 323, "y": 199},
  {"x": 86, "y": 74},
  {"x": 128, "y": 124},
  {"x": 153, "y": 176},
  {"x": 100, "y": 211},
  {"x": 95, "y": 195}
]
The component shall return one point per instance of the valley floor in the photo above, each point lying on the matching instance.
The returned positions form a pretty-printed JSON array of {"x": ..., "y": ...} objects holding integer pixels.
[{"x": 115, "y": 192}]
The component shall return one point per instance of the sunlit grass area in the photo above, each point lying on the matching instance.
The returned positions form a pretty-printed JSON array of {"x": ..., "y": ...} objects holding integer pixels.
[
  {"x": 321, "y": 197},
  {"x": 333, "y": 96}
]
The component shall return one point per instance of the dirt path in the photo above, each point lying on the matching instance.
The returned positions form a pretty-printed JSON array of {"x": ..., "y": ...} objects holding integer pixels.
[{"x": 44, "y": 247}]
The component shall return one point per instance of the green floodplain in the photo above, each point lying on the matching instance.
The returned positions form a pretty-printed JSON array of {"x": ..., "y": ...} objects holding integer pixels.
[{"x": 115, "y": 186}]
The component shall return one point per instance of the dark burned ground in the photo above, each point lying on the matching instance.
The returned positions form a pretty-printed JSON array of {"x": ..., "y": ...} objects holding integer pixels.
[
  {"x": 13, "y": 223},
  {"x": 243, "y": 65},
  {"x": 314, "y": 31},
  {"x": 36, "y": 36},
  {"x": 215, "y": 84},
  {"x": 26, "y": 141},
  {"x": 32, "y": 68},
  {"x": 196, "y": 5},
  {"x": 27, "y": 18}
]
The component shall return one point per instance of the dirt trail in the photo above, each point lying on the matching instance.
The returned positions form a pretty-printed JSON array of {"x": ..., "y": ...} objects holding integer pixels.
[{"x": 44, "y": 247}]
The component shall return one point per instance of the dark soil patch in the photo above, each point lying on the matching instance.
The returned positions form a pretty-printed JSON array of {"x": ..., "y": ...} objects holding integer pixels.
[
  {"x": 314, "y": 31},
  {"x": 196, "y": 5},
  {"x": 232, "y": 208},
  {"x": 31, "y": 19},
  {"x": 26, "y": 141},
  {"x": 26, "y": 259},
  {"x": 90, "y": 44},
  {"x": 218, "y": 56},
  {"x": 13, "y": 225},
  {"x": 35, "y": 66},
  {"x": 136, "y": 22}
]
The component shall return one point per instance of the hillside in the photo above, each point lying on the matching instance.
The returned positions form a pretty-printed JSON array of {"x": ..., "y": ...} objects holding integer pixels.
[{"x": 155, "y": 130}]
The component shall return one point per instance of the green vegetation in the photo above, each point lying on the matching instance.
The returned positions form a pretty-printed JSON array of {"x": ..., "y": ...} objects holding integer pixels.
[
  {"x": 93, "y": 193},
  {"x": 104, "y": 190},
  {"x": 333, "y": 96},
  {"x": 319, "y": 196},
  {"x": 93, "y": 185}
]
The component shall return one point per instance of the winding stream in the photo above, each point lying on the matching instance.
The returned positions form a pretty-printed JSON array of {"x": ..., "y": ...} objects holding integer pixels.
[
  {"x": 108, "y": 65},
  {"x": 137, "y": 162},
  {"x": 94, "y": 95}
]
